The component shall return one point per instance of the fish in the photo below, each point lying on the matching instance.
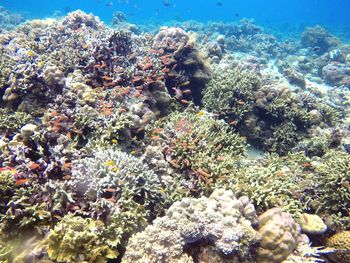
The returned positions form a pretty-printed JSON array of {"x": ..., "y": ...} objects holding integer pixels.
[
  {"x": 219, "y": 3},
  {"x": 166, "y": 3},
  {"x": 33, "y": 166},
  {"x": 21, "y": 181},
  {"x": 109, "y": 163}
]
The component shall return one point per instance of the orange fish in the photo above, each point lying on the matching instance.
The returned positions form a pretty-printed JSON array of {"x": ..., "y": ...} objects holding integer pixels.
[
  {"x": 21, "y": 181},
  {"x": 233, "y": 123},
  {"x": 33, "y": 166}
]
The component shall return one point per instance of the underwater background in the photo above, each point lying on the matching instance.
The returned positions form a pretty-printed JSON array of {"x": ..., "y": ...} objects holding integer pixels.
[
  {"x": 175, "y": 131},
  {"x": 273, "y": 13}
]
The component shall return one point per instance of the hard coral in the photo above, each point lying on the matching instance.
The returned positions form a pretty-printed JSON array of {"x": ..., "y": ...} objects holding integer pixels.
[
  {"x": 219, "y": 219},
  {"x": 280, "y": 236},
  {"x": 319, "y": 38},
  {"x": 186, "y": 71},
  {"x": 203, "y": 149},
  {"x": 75, "y": 239},
  {"x": 341, "y": 242}
]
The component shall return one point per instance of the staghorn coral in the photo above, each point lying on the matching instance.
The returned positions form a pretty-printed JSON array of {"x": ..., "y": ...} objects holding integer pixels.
[
  {"x": 276, "y": 182},
  {"x": 228, "y": 90},
  {"x": 333, "y": 191},
  {"x": 272, "y": 116},
  {"x": 221, "y": 219}
]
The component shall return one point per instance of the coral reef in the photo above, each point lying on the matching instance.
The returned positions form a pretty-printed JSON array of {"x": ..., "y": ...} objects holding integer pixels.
[
  {"x": 280, "y": 236},
  {"x": 77, "y": 239},
  {"x": 127, "y": 143},
  {"x": 340, "y": 242},
  {"x": 271, "y": 116},
  {"x": 319, "y": 39},
  {"x": 221, "y": 219},
  {"x": 8, "y": 20},
  {"x": 186, "y": 71},
  {"x": 203, "y": 150}
]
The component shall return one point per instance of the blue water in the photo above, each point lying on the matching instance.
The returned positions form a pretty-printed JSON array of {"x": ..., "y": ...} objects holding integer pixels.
[{"x": 268, "y": 13}]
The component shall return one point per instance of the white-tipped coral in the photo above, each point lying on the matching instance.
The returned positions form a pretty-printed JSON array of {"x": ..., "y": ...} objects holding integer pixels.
[{"x": 218, "y": 219}]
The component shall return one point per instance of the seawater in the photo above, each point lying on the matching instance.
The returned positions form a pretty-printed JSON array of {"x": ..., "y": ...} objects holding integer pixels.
[{"x": 282, "y": 14}]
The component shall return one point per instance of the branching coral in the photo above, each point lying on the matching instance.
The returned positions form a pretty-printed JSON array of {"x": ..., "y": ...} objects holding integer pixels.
[
  {"x": 11, "y": 122},
  {"x": 276, "y": 182},
  {"x": 202, "y": 148},
  {"x": 333, "y": 190},
  {"x": 221, "y": 219},
  {"x": 272, "y": 117},
  {"x": 75, "y": 239}
]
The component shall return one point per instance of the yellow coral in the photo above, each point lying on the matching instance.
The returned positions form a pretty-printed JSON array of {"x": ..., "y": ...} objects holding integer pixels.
[
  {"x": 341, "y": 242},
  {"x": 312, "y": 224}
]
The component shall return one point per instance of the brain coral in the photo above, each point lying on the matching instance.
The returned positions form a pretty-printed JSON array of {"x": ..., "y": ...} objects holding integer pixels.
[
  {"x": 340, "y": 241},
  {"x": 221, "y": 219}
]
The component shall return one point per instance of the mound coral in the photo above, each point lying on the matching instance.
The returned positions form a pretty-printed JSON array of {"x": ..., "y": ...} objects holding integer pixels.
[
  {"x": 221, "y": 219},
  {"x": 280, "y": 236},
  {"x": 185, "y": 69}
]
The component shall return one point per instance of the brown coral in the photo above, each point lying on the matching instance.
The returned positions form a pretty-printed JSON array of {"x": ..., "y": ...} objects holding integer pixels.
[{"x": 341, "y": 242}]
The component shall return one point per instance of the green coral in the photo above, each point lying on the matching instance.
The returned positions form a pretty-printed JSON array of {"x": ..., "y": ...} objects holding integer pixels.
[
  {"x": 228, "y": 90},
  {"x": 198, "y": 145},
  {"x": 333, "y": 191},
  {"x": 7, "y": 188},
  {"x": 75, "y": 239},
  {"x": 10, "y": 122},
  {"x": 276, "y": 182}
]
